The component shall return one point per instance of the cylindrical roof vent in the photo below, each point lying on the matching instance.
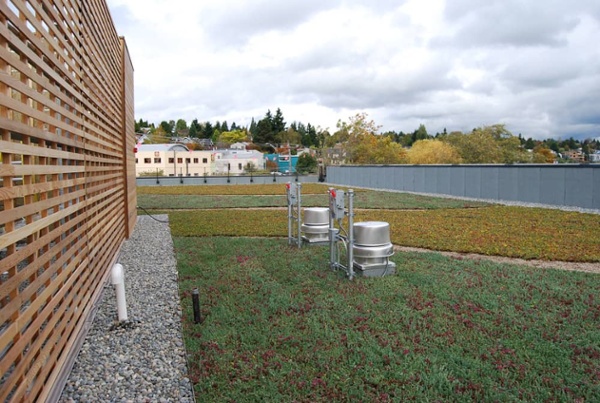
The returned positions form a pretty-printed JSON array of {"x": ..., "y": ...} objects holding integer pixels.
[
  {"x": 316, "y": 216},
  {"x": 371, "y": 233},
  {"x": 372, "y": 248},
  {"x": 316, "y": 224}
]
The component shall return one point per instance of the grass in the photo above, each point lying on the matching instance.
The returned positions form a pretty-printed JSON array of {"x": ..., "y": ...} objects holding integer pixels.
[
  {"x": 499, "y": 230},
  {"x": 280, "y": 326},
  {"x": 418, "y": 221},
  {"x": 313, "y": 195}
]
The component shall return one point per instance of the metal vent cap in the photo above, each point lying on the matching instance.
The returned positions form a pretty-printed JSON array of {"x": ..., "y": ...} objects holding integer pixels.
[
  {"x": 371, "y": 233},
  {"x": 316, "y": 216}
]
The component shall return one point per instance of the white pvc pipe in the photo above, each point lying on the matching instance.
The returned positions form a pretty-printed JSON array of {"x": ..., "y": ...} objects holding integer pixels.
[{"x": 118, "y": 280}]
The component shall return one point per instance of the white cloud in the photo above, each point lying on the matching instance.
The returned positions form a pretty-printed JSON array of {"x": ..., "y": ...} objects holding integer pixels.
[{"x": 447, "y": 64}]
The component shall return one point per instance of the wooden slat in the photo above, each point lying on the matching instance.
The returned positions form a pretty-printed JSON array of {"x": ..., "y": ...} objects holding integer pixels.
[
  {"x": 37, "y": 188},
  {"x": 40, "y": 151},
  {"x": 21, "y": 276},
  {"x": 20, "y": 170},
  {"x": 29, "y": 229},
  {"x": 33, "y": 208}
]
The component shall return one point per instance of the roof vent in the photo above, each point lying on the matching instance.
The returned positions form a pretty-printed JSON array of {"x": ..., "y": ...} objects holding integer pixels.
[
  {"x": 316, "y": 225},
  {"x": 372, "y": 249}
]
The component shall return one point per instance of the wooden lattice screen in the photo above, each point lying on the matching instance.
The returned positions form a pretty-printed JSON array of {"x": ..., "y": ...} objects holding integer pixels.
[{"x": 67, "y": 195}]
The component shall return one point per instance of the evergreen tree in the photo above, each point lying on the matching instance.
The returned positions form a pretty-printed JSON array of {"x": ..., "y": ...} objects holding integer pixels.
[
  {"x": 141, "y": 124},
  {"x": 195, "y": 128},
  {"x": 224, "y": 127},
  {"x": 552, "y": 144},
  {"x": 529, "y": 144},
  {"x": 167, "y": 127},
  {"x": 278, "y": 124},
  {"x": 269, "y": 117},
  {"x": 193, "y": 133},
  {"x": 311, "y": 133},
  {"x": 420, "y": 134},
  {"x": 207, "y": 130},
  {"x": 253, "y": 129},
  {"x": 264, "y": 132}
]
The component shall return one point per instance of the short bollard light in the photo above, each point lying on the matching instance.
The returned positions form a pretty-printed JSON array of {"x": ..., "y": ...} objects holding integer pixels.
[{"x": 196, "y": 306}]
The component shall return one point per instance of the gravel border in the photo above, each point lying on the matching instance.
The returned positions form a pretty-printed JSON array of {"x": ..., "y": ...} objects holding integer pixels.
[{"x": 143, "y": 359}]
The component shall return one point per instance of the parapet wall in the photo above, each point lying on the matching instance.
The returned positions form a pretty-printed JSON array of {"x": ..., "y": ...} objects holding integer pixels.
[{"x": 571, "y": 185}]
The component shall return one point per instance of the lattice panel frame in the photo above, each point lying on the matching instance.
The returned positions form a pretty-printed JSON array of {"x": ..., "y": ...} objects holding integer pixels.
[{"x": 67, "y": 196}]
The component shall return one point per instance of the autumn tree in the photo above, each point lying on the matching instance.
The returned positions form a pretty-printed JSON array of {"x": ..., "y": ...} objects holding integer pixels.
[
  {"x": 364, "y": 146},
  {"x": 419, "y": 134},
  {"x": 433, "y": 152},
  {"x": 355, "y": 134},
  {"x": 510, "y": 147},
  {"x": 233, "y": 136},
  {"x": 543, "y": 155},
  {"x": 288, "y": 136},
  {"x": 488, "y": 145},
  {"x": 387, "y": 151},
  {"x": 158, "y": 136}
]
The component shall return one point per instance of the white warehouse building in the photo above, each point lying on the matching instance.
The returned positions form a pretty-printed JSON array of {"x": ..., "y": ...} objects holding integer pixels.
[
  {"x": 172, "y": 160},
  {"x": 235, "y": 161},
  {"x": 178, "y": 160}
]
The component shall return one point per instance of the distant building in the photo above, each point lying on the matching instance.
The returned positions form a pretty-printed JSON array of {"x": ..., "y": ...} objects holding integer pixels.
[
  {"x": 207, "y": 144},
  {"x": 172, "y": 160},
  {"x": 574, "y": 155},
  {"x": 287, "y": 163},
  {"x": 235, "y": 162},
  {"x": 282, "y": 162},
  {"x": 239, "y": 146},
  {"x": 595, "y": 157}
]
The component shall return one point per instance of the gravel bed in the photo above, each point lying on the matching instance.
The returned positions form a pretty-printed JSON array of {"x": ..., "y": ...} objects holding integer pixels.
[{"x": 143, "y": 359}]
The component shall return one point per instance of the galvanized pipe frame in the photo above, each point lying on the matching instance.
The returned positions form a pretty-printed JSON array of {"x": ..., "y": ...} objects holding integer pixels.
[
  {"x": 294, "y": 196},
  {"x": 335, "y": 232}
]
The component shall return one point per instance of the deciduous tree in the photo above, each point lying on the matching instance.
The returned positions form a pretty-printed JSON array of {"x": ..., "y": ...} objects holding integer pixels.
[
  {"x": 433, "y": 152},
  {"x": 250, "y": 167},
  {"x": 364, "y": 146},
  {"x": 543, "y": 155},
  {"x": 306, "y": 164},
  {"x": 288, "y": 136},
  {"x": 181, "y": 126},
  {"x": 233, "y": 136},
  {"x": 158, "y": 136}
]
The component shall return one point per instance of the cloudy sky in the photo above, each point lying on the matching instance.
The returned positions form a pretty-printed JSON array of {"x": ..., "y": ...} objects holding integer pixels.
[{"x": 533, "y": 65}]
